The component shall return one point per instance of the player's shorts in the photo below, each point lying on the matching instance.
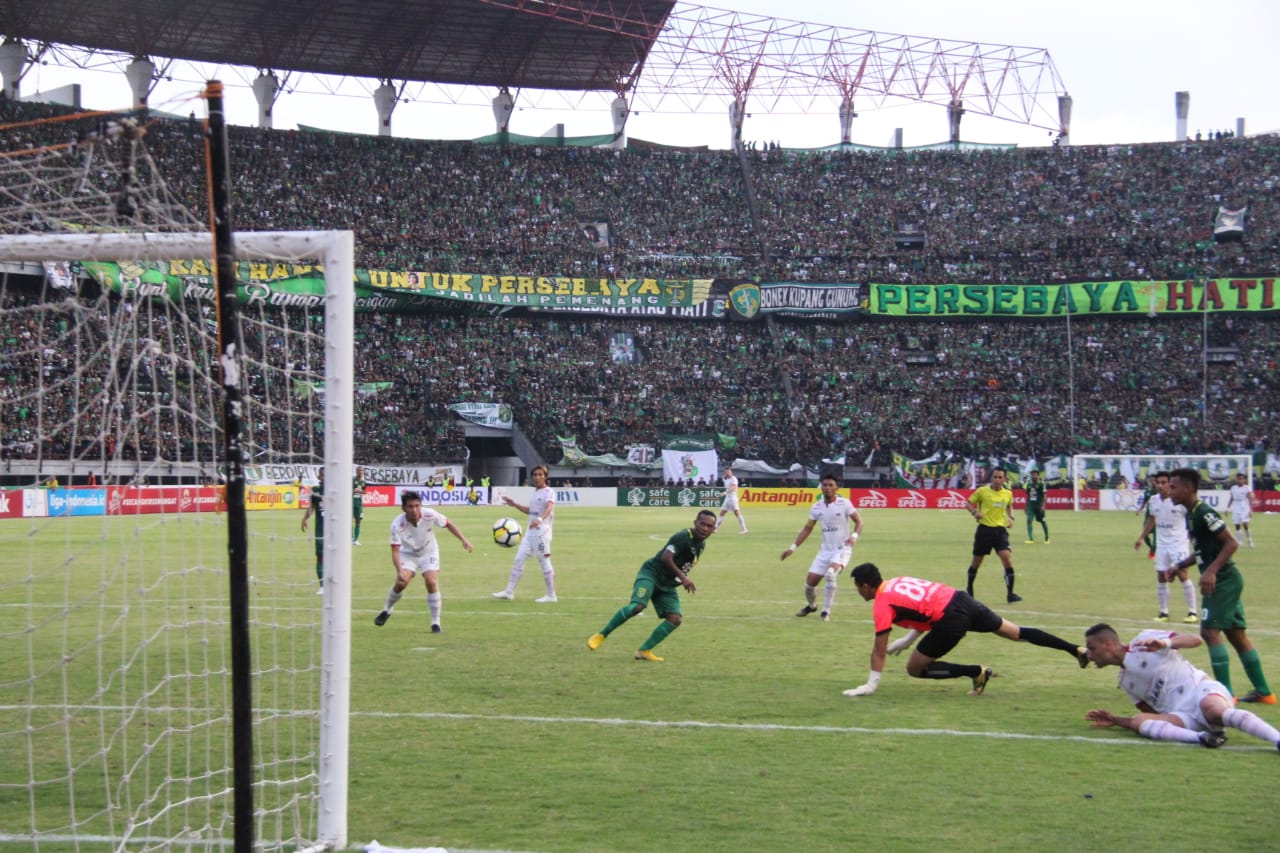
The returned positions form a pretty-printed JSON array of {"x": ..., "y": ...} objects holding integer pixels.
[
  {"x": 987, "y": 539},
  {"x": 963, "y": 613},
  {"x": 830, "y": 562},
  {"x": 357, "y": 509},
  {"x": 536, "y": 542},
  {"x": 1187, "y": 706},
  {"x": 1167, "y": 559},
  {"x": 730, "y": 503},
  {"x": 1224, "y": 609},
  {"x": 646, "y": 591},
  {"x": 421, "y": 563},
  {"x": 1241, "y": 513},
  {"x": 1035, "y": 512}
]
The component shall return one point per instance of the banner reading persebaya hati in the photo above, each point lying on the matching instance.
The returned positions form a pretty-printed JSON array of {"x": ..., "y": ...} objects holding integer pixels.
[
  {"x": 1038, "y": 301},
  {"x": 302, "y": 286}
]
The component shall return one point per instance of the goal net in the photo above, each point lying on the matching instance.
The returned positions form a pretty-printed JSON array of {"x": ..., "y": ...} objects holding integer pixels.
[
  {"x": 1119, "y": 482},
  {"x": 120, "y": 712}
]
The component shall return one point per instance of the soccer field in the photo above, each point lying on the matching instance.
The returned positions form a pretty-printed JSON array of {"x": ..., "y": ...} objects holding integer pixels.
[{"x": 506, "y": 733}]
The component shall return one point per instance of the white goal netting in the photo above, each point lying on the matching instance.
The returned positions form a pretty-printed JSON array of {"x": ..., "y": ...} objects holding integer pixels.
[{"x": 116, "y": 700}]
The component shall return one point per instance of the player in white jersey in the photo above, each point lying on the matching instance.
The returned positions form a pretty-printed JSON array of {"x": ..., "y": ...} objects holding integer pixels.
[
  {"x": 730, "y": 504},
  {"x": 1169, "y": 521},
  {"x": 1176, "y": 701},
  {"x": 1240, "y": 502},
  {"x": 835, "y": 514},
  {"x": 414, "y": 549},
  {"x": 537, "y": 536}
]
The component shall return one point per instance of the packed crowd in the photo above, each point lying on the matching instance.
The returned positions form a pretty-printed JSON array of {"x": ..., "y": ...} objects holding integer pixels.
[
  {"x": 1023, "y": 215},
  {"x": 106, "y": 375},
  {"x": 786, "y": 391}
]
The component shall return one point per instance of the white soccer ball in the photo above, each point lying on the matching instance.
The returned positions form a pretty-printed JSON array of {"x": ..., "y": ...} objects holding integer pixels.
[{"x": 507, "y": 532}]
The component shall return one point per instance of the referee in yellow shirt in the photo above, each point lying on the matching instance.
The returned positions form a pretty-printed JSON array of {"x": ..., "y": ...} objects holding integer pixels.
[{"x": 992, "y": 506}]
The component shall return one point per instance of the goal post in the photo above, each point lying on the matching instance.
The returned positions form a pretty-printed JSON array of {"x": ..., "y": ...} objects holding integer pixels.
[
  {"x": 1118, "y": 481},
  {"x": 116, "y": 686}
]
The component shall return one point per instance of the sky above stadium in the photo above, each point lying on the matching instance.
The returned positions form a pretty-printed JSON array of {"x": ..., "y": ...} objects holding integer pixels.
[{"x": 1121, "y": 60}]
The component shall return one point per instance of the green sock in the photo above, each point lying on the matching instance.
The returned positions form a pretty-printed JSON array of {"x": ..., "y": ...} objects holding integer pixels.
[
  {"x": 1029, "y": 532},
  {"x": 1221, "y": 662},
  {"x": 1253, "y": 668},
  {"x": 319, "y": 569},
  {"x": 1045, "y": 526},
  {"x": 357, "y": 536},
  {"x": 624, "y": 613},
  {"x": 659, "y": 634}
]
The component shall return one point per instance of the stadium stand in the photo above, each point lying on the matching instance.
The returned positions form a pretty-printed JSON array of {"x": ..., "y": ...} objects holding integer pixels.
[{"x": 787, "y": 390}]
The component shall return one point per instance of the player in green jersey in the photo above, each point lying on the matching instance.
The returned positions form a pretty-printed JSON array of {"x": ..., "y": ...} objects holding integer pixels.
[
  {"x": 1147, "y": 493},
  {"x": 1035, "y": 508},
  {"x": 357, "y": 504},
  {"x": 315, "y": 506},
  {"x": 659, "y": 580},
  {"x": 1221, "y": 587}
]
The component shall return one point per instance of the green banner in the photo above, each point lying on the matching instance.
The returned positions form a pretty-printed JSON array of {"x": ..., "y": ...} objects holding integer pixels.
[
  {"x": 1037, "y": 301},
  {"x": 302, "y": 286},
  {"x": 689, "y": 443},
  {"x": 572, "y": 456},
  {"x": 303, "y": 387},
  {"x": 702, "y": 497}
]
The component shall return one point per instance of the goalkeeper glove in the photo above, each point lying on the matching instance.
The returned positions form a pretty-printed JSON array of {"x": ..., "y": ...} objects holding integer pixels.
[{"x": 873, "y": 681}]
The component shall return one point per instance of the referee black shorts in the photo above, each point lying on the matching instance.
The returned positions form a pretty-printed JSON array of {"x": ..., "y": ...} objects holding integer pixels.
[{"x": 987, "y": 539}]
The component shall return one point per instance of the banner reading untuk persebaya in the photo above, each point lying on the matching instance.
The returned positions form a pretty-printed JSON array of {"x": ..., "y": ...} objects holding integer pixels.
[
  {"x": 302, "y": 286},
  {"x": 1036, "y": 301}
]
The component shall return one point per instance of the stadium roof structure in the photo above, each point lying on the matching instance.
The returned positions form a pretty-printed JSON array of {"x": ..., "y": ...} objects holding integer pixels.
[
  {"x": 650, "y": 51},
  {"x": 542, "y": 45}
]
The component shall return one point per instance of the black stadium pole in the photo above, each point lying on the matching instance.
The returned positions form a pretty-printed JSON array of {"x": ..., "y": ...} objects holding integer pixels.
[{"x": 231, "y": 351}]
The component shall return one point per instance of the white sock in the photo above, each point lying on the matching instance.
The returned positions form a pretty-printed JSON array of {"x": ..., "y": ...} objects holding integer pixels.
[
  {"x": 392, "y": 598},
  {"x": 1162, "y": 730},
  {"x": 517, "y": 571},
  {"x": 811, "y": 594},
  {"x": 549, "y": 578},
  {"x": 1251, "y": 724},
  {"x": 829, "y": 593},
  {"x": 1162, "y": 595},
  {"x": 1189, "y": 593},
  {"x": 742, "y": 522},
  {"x": 433, "y": 604}
]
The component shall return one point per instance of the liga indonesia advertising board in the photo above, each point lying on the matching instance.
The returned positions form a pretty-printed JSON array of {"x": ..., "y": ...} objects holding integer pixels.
[{"x": 710, "y": 497}]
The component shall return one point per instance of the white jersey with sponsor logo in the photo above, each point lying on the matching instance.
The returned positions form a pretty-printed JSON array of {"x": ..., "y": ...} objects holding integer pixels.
[
  {"x": 835, "y": 519},
  {"x": 1162, "y": 679},
  {"x": 730, "y": 501},
  {"x": 1241, "y": 508},
  {"x": 543, "y": 498},
  {"x": 417, "y": 540},
  {"x": 1171, "y": 525}
]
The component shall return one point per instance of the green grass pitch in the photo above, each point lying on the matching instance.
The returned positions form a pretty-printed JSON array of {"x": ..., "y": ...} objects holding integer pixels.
[{"x": 506, "y": 733}]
